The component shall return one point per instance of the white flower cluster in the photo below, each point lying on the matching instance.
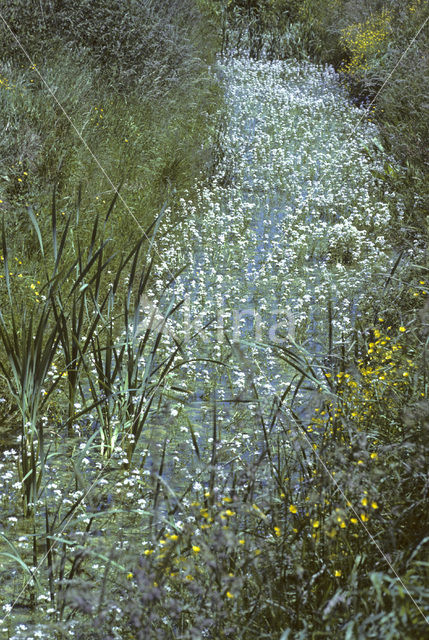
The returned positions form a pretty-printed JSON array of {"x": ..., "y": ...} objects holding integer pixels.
[{"x": 293, "y": 220}]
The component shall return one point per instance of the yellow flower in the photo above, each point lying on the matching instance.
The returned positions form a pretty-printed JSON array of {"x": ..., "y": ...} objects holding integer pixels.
[
  {"x": 316, "y": 524},
  {"x": 338, "y": 573},
  {"x": 364, "y": 517},
  {"x": 129, "y": 576},
  {"x": 402, "y": 329},
  {"x": 277, "y": 531},
  {"x": 293, "y": 508},
  {"x": 195, "y": 548},
  {"x": 229, "y": 594},
  {"x": 241, "y": 541},
  {"x": 364, "y": 502},
  {"x": 374, "y": 505}
]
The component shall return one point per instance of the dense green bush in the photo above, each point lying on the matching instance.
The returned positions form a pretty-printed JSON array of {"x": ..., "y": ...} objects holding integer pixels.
[
  {"x": 134, "y": 43},
  {"x": 119, "y": 93}
]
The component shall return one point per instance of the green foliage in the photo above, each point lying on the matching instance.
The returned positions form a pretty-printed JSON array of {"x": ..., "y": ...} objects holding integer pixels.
[
  {"x": 81, "y": 122},
  {"x": 112, "y": 94},
  {"x": 325, "y": 534},
  {"x": 255, "y": 26},
  {"x": 127, "y": 44},
  {"x": 69, "y": 332}
]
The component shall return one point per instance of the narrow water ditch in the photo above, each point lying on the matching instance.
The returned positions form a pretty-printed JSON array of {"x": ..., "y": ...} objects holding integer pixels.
[
  {"x": 286, "y": 242},
  {"x": 287, "y": 238}
]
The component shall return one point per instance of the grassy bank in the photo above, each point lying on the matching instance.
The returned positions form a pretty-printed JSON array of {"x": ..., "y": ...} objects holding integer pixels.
[{"x": 93, "y": 97}]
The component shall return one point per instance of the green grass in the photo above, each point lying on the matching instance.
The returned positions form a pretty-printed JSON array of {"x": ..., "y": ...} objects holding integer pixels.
[
  {"x": 109, "y": 103},
  {"x": 136, "y": 117}
]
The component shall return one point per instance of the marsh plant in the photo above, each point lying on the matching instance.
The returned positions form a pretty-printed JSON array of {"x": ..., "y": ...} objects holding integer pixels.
[
  {"x": 182, "y": 469},
  {"x": 97, "y": 93}
]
